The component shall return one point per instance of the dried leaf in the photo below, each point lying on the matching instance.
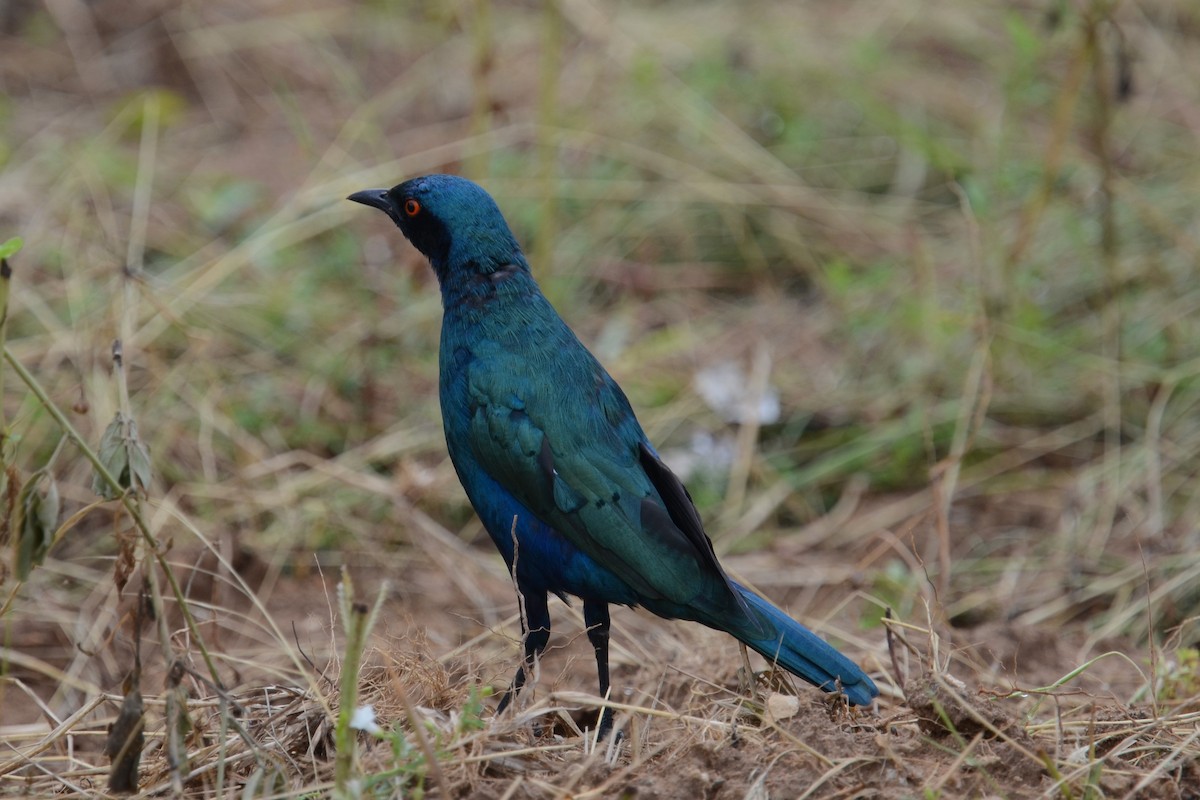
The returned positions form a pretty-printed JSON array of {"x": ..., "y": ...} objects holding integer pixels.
[
  {"x": 126, "y": 561},
  {"x": 126, "y": 738},
  {"x": 10, "y": 486},
  {"x": 125, "y": 456},
  {"x": 179, "y": 725},
  {"x": 139, "y": 461},
  {"x": 112, "y": 455},
  {"x": 35, "y": 521}
]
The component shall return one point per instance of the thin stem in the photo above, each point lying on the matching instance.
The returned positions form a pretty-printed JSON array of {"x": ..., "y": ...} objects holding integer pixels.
[
  {"x": 547, "y": 146},
  {"x": 5, "y": 284},
  {"x": 483, "y": 62},
  {"x": 1102, "y": 86}
]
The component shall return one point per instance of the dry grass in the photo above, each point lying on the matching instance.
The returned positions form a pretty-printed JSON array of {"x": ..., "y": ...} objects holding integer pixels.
[{"x": 948, "y": 239}]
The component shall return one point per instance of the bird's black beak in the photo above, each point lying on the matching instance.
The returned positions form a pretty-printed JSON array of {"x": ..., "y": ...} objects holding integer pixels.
[{"x": 376, "y": 198}]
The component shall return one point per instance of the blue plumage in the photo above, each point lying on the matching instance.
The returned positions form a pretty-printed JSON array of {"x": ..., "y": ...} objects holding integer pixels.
[{"x": 555, "y": 462}]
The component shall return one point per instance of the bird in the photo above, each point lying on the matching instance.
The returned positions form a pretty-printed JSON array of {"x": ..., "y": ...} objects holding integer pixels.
[{"x": 555, "y": 463}]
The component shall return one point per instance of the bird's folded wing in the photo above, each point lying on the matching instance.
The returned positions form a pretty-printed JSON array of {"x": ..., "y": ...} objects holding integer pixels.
[{"x": 579, "y": 461}]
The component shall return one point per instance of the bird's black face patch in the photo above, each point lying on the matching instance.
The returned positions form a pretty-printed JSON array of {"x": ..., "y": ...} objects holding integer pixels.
[{"x": 419, "y": 221}]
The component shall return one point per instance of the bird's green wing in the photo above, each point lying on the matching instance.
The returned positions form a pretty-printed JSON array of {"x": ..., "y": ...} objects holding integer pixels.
[{"x": 579, "y": 460}]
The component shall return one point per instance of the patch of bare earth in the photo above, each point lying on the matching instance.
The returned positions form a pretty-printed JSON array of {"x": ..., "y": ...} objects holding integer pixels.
[{"x": 691, "y": 730}]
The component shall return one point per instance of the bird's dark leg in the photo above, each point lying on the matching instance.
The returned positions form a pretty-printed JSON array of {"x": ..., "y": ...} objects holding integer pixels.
[
  {"x": 595, "y": 617},
  {"x": 535, "y": 626}
]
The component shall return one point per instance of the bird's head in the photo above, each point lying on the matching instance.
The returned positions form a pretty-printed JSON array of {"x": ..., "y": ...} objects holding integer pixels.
[{"x": 452, "y": 220}]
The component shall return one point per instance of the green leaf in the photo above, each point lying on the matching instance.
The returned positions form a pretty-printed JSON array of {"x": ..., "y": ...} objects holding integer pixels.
[{"x": 11, "y": 247}]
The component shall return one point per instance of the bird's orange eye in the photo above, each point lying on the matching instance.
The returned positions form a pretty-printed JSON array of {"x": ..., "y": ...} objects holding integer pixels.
[{"x": 412, "y": 207}]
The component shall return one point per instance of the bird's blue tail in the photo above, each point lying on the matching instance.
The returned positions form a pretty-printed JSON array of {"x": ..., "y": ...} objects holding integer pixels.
[{"x": 801, "y": 652}]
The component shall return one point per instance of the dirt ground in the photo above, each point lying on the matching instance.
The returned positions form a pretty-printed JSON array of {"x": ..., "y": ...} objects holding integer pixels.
[{"x": 961, "y": 713}]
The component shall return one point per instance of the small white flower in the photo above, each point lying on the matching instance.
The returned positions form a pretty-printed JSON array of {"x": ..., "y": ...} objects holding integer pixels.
[
  {"x": 726, "y": 388},
  {"x": 364, "y": 719}
]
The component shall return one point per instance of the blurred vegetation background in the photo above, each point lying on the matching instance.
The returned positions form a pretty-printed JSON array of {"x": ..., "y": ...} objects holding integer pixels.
[{"x": 908, "y": 290}]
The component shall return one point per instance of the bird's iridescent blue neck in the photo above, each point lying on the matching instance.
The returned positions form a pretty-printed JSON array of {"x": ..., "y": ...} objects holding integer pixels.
[{"x": 475, "y": 282}]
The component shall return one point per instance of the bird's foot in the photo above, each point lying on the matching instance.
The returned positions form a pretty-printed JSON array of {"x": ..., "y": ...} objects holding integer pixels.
[{"x": 604, "y": 729}]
